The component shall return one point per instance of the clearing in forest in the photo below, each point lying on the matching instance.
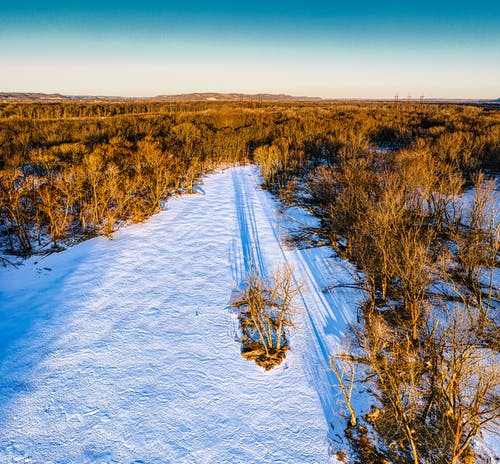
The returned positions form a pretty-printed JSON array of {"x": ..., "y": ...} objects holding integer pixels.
[{"x": 126, "y": 350}]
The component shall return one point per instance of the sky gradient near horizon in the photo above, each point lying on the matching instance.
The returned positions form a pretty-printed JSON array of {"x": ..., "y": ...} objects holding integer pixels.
[{"x": 357, "y": 49}]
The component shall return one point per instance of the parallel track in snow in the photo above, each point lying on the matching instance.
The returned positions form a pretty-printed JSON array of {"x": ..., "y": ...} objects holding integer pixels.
[
  {"x": 121, "y": 350},
  {"x": 328, "y": 311}
]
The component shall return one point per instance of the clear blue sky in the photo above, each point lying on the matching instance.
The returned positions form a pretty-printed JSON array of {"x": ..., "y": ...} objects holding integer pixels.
[{"x": 317, "y": 48}]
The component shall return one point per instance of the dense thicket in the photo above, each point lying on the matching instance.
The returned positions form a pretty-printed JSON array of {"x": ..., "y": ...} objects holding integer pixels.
[
  {"x": 76, "y": 169},
  {"x": 386, "y": 181},
  {"x": 427, "y": 257}
]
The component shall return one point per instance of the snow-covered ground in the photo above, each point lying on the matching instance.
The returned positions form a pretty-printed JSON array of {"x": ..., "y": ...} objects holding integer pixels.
[{"x": 125, "y": 350}]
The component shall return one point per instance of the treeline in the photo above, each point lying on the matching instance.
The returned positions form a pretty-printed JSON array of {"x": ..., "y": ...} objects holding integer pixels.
[
  {"x": 58, "y": 110},
  {"x": 79, "y": 178},
  {"x": 428, "y": 256},
  {"x": 427, "y": 341},
  {"x": 83, "y": 168}
]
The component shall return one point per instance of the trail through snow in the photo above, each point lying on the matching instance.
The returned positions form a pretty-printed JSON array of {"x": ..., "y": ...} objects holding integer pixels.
[{"x": 124, "y": 350}]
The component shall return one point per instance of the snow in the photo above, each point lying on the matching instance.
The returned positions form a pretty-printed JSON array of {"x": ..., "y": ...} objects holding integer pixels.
[{"x": 125, "y": 350}]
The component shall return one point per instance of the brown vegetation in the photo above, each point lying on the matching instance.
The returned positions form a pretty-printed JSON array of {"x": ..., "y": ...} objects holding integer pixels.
[
  {"x": 264, "y": 311},
  {"x": 76, "y": 169},
  {"x": 385, "y": 181},
  {"x": 426, "y": 339}
]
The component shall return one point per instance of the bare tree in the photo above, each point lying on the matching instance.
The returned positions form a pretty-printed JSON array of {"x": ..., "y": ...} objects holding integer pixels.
[
  {"x": 346, "y": 364},
  {"x": 16, "y": 208}
]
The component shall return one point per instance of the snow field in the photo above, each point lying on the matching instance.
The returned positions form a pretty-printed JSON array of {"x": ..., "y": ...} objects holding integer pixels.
[{"x": 124, "y": 350}]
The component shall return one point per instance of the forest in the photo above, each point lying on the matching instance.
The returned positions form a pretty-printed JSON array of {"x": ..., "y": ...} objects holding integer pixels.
[{"x": 404, "y": 191}]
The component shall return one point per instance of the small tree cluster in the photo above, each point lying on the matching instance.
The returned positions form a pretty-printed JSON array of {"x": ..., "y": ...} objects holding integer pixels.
[{"x": 264, "y": 311}]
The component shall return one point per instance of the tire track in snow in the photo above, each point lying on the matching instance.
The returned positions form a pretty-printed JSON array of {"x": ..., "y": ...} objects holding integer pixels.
[
  {"x": 327, "y": 313},
  {"x": 141, "y": 316},
  {"x": 247, "y": 192},
  {"x": 253, "y": 223},
  {"x": 318, "y": 353},
  {"x": 248, "y": 234}
]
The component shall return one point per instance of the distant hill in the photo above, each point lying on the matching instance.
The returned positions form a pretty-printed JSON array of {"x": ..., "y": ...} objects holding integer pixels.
[
  {"x": 215, "y": 96},
  {"x": 207, "y": 96},
  {"x": 17, "y": 96},
  {"x": 38, "y": 96}
]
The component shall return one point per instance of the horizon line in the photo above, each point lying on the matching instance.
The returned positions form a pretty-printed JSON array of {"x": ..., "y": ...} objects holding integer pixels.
[{"x": 11, "y": 95}]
